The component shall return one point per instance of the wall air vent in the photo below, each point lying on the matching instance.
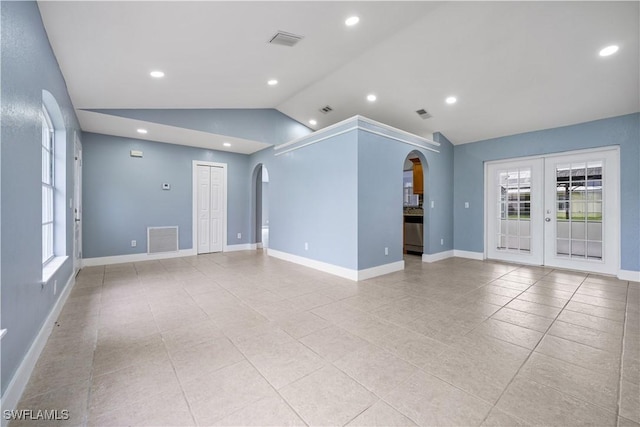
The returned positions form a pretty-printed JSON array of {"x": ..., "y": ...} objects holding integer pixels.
[
  {"x": 424, "y": 113},
  {"x": 285, "y": 39},
  {"x": 162, "y": 239},
  {"x": 326, "y": 109}
]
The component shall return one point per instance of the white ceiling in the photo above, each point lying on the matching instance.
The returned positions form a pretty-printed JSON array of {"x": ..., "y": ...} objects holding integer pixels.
[
  {"x": 514, "y": 66},
  {"x": 119, "y": 126}
]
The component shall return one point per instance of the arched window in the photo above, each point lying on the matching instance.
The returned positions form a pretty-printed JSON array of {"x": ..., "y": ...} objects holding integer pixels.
[
  {"x": 54, "y": 182},
  {"x": 48, "y": 187}
]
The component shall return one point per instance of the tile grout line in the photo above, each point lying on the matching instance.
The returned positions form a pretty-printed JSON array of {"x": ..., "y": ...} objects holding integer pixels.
[
  {"x": 172, "y": 363},
  {"x": 85, "y": 421},
  {"x": 622, "y": 344},
  {"x": 270, "y": 385},
  {"x": 532, "y": 351}
]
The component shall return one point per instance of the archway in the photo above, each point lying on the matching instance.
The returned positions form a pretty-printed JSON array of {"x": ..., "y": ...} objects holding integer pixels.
[
  {"x": 261, "y": 224},
  {"x": 415, "y": 200}
]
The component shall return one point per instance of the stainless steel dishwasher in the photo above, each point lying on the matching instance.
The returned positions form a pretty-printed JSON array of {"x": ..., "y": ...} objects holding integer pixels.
[{"x": 413, "y": 233}]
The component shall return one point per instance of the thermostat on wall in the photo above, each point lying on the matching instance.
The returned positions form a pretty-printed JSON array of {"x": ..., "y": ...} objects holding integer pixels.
[
  {"x": 135, "y": 153},
  {"x": 166, "y": 186}
]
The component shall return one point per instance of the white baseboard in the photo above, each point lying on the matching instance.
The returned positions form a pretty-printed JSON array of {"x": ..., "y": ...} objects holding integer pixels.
[
  {"x": 13, "y": 393},
  {"x": 380, "y": 270},
  {"x": 347, "y": 273},
  {"x": 633, "y": 276},
  {"x": 241, "y": 247},
  {"x": 336, "y": 270},
  {"x": 466, "y": 254},
  {"x": 119, "y": 259},
  {"x": 437, "y": 257}
]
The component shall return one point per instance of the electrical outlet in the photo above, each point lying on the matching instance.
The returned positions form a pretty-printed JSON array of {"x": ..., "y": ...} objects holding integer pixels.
[
  {"x": 466, "y": 205},
  {"x": 55, "y": 287},
  {"x": 134, "y": 243},
  {"x": 433, "y": 204},
  {"x": 239, "y": 235},
  {"x": 386, "y": 251},
  {"x": 306, "y": 246},
  {"x": 441, "y": 242}
]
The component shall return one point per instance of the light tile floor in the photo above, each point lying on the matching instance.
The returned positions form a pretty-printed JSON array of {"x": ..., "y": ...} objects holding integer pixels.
[{"x": 245, "y": 339}]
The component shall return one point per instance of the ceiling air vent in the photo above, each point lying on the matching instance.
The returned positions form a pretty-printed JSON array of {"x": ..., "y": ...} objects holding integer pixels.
[
  {"x": 285, "y": 39},
  {"x": 424, "y": 113},
  {"x": 326, "y": 109}
]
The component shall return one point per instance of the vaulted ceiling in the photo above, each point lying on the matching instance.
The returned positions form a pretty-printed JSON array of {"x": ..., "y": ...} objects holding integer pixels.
[{"x": 513, "y": 66}]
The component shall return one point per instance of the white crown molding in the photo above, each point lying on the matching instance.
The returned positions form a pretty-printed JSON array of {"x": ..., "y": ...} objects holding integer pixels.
[{"x": 335, "y": 130}]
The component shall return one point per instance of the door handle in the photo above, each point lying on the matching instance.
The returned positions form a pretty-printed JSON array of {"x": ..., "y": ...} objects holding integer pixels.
[
  {"x": 77, "y": 219},
  {"x": 547, "y": 219}
]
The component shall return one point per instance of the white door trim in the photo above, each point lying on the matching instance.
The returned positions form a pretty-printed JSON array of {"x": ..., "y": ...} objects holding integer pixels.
[{"x": 194, "y": 202}]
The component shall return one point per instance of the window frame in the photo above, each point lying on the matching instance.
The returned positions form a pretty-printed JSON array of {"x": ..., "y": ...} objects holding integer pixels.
[{"x": 48, "y": 187}]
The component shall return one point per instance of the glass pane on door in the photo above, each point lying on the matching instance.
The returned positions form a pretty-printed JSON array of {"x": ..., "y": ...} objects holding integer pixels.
[
  {"x": 579, "y": 210},
  {"x": 514, "y": 210}
]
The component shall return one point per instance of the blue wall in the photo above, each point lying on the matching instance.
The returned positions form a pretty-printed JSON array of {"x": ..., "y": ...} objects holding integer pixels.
[
  {"x": 343, "y": 195},
  {"x": 123, "y": 195},
  {"x": 623, "y": 131},
  {"x": 263, "y": 124},
  {"x": 380, "y": 214},
  {"x": 313, "y": 199},
  {"x": 28, "y": 68},
  {"x": 440, "y": 193}
]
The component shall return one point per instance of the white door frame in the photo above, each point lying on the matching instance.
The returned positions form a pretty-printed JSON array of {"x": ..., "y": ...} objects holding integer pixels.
[
  {"x": 77, "y": 204},
  {"x": 194, "y": 208},
  {"x": 615, "y": 219}
]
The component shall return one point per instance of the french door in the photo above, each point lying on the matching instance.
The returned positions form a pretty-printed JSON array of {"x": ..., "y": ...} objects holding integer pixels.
[
  {"x": 559, "y": 211},
  {"x": 77, "y": 205}
]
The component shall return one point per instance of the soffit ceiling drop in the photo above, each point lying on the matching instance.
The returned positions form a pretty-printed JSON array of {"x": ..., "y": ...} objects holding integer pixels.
[{"x": 514, "y": 66}]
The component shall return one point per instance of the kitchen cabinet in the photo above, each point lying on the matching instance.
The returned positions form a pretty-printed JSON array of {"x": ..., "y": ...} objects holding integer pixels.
[{"x": 418, "y": 177}]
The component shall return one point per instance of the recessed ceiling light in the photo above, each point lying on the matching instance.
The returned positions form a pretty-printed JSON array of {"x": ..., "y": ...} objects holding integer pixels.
[
  {"x": 371, "y": 97},
  {"x": 609, "y": 50},
  {"x": 312, "y": 122},
  {"x": 272, "y": 82},
  {"x": 142, "y": 131},
  {"x": 451, "y": 100},
  {"x": 226, "y": 144},
  {"x": 157, "y": 74},
  {"x": 351, "y": 21}
]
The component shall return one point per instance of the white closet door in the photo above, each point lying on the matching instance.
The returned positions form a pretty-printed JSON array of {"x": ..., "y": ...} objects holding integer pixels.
[
  {"x": 216, "y": 209},
  {"x": 204, "y": 209},
  {"x": 210, "y": 208}
]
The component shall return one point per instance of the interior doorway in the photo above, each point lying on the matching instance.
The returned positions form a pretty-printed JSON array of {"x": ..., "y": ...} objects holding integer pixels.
[
  {"x": 262, "y": 206},
  {"x": 413, "y": 204}
]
